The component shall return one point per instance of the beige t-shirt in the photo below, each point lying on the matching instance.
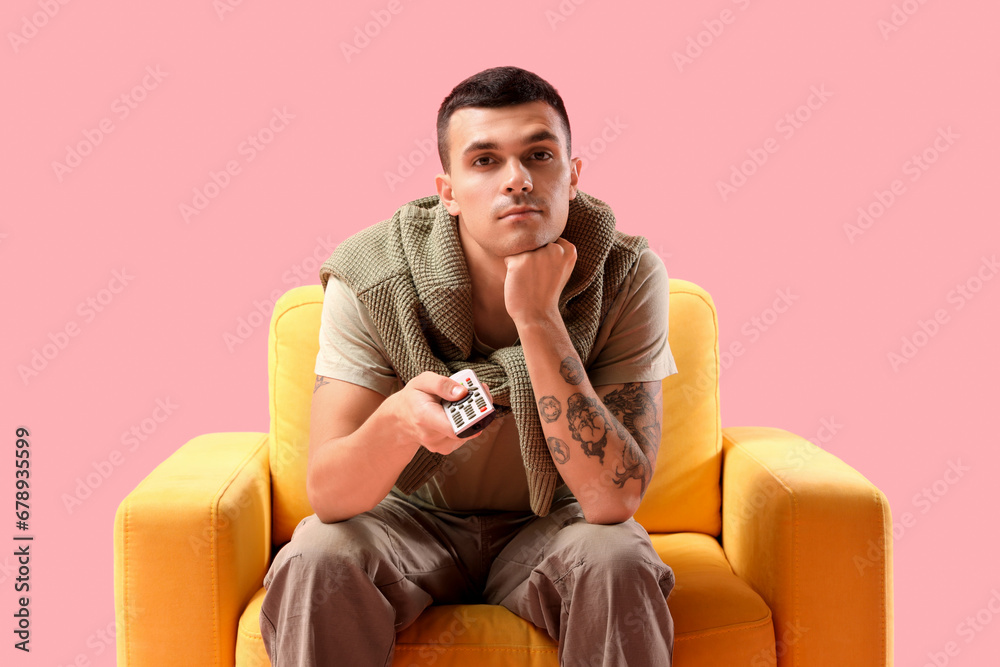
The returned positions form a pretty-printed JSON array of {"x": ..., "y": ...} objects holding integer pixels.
[{"x": 487, "y": 473}]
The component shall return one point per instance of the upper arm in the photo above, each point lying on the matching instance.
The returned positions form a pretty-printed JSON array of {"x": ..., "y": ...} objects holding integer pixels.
[
  {"x": 338, "y": 409},
  {"x": 353, "y": 377},
  {"x": 633, "y": 342}
]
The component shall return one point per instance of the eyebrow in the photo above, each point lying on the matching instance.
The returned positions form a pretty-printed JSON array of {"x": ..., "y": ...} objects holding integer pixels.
[{"x": 542, "y": 135}]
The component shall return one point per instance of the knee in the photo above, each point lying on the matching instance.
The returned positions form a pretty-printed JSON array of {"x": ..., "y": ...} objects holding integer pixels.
[
  {"x": 616, "y": 543},
  {"x": 332, "y": 547},
  {"x": 620, "y": 555},
  {"x": 321, "y": 565}
]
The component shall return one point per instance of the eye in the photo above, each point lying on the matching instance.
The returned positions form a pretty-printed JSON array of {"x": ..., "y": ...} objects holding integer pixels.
[
  {"x": 542, "y": 155},
  {"x": 482, "y": 161}
]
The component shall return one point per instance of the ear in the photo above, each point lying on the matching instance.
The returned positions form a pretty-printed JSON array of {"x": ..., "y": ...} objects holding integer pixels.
[
  {"x": 575, "y": 166},
  {"x": 443, "y": 184}
]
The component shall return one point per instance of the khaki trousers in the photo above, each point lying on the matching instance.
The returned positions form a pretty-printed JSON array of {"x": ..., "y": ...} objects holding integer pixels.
[{"x": 337, "y": 593}]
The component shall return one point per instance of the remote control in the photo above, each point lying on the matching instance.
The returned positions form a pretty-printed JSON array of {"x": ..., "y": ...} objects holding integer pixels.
[{"x": 473, "y": 412}]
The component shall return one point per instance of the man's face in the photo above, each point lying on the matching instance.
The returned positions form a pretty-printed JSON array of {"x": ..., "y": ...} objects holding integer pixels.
[{"x": 511, "y": 178}]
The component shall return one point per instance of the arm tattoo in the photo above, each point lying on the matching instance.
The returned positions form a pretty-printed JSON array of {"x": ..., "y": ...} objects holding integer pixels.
[
  {"x": 320, "y": 381},
  {"x": 635, "y": 408},
  {"x": 549, "y": 408},
  {"x": 559, "y": 449},
  {"x": 588, "y": 422},
  {"x": 572, "y": 370}
]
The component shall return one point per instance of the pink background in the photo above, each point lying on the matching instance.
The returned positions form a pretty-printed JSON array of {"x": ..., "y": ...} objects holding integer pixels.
[{"x": 661, "y": 134}]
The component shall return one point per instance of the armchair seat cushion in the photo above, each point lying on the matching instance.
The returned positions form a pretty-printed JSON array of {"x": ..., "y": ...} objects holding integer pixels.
[{"x": 718, "y": 619}]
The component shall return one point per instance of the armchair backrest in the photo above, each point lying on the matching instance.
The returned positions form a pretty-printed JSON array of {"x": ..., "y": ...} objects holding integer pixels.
[{"x": 683, "y": 496}]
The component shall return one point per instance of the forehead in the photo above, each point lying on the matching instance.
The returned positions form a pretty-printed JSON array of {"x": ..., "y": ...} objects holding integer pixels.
[{"x": 513, "y": 124}]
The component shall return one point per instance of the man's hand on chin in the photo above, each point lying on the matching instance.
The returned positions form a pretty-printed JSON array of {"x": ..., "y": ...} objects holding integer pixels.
[{"x": 535, "y": 280}]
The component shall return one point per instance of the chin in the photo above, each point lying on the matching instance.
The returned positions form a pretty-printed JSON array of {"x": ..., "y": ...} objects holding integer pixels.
[{"x": 535, "y": 243}]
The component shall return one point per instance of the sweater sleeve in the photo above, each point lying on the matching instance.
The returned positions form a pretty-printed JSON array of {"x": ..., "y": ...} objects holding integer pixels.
[
  {"x": 632, "y": 343},
  {"x": 350, "y": 348}
]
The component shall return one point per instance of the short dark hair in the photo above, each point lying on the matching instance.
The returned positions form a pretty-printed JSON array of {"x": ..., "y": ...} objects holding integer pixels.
[{"x": 493, "y": 88}]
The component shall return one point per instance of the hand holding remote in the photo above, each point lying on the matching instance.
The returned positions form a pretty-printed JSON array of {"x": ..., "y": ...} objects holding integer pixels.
[{"x": 473, "y": 412}]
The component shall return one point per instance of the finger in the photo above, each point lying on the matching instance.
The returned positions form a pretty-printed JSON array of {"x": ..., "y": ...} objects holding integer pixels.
[
  {"x": 568, "y": 247},
  {"x": 439, "y": 386}
]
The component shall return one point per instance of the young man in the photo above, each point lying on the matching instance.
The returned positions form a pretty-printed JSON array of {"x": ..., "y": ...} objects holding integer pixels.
[{"x": 514, "y": 273}]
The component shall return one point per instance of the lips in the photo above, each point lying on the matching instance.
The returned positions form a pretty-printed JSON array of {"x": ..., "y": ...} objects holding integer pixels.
[{"x": 518, "y": 210}]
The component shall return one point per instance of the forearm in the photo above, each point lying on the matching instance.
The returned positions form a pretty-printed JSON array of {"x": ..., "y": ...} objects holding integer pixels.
[
  {"x": 597, "y": 457},
  {"x": 353, "y": 473}
]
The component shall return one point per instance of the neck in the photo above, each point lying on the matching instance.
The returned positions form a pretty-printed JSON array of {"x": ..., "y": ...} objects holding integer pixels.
[
  {"x": 487, "y": 274},
  {"x": 490, "y": 319}
]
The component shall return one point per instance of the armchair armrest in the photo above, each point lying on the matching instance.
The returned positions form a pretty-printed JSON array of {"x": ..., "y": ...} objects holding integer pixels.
[
  {"x": 814, "y": 538},
  {"x": 192, "y": 545}
]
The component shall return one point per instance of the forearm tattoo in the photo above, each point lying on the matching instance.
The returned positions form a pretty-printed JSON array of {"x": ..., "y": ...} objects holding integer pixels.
[
  {"x": 559, "y": 449},
  {"x": 589, "y": 424},
  {"x": 320, "y": 381},
  {"x": 549, "y": 408},
  {"x": 635, "y": 408},
  {"x": 572, "y": 371}
]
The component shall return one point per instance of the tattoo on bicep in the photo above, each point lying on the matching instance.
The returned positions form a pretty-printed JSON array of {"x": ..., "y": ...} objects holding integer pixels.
[
  {"x": 636, "y": 409},
  {"x": 549, "y": 408},
  {"x": 588, "y": 422},
  {"x": 320, "y": 381},
  {"x": 572, "y": 371},
  {"x": 559, "y": 449}
]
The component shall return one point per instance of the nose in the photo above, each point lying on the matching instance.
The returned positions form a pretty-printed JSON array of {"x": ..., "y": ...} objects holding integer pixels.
[{"x": 518, "y": 178}]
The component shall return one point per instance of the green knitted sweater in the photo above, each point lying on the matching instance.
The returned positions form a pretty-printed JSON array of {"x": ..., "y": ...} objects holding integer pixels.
[{"x": 410, "y": 272}]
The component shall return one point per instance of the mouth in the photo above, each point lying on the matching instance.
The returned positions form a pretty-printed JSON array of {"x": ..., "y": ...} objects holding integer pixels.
[{"x": 518, "y": 212}]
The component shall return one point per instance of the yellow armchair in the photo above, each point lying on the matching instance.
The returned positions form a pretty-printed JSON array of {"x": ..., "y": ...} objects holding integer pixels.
[{"x": 781, "y": 552}]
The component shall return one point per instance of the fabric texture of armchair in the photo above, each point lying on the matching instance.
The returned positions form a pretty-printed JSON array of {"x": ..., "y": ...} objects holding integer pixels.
[{"x": 781, "y": 552}]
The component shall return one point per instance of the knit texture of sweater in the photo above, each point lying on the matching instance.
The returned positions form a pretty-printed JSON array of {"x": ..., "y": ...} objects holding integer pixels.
[{"x": 411, "y": 274}]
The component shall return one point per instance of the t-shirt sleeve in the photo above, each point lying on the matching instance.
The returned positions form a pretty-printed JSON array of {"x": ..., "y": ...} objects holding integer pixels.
[
  {"x": 634, "y": 334},
  {"x": 350, "y": 348}
]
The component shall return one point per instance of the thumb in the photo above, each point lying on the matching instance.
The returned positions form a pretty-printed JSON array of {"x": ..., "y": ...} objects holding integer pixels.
[{"x": 440, "y": 386}]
